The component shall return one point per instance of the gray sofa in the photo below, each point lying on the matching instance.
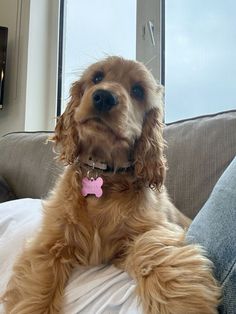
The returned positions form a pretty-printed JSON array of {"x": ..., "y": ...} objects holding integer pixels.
[{"x": 198, "y": 152}]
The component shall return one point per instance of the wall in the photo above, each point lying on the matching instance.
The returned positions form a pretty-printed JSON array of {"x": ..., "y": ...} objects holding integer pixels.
[
  {"x": 42, "y": 65},
  {"x": 13, "y": 14},
  {"x": 30, "y": 94}
]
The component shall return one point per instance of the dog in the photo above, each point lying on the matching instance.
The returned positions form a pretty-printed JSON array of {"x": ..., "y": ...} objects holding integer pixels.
[{"x": 110, "y": 204}]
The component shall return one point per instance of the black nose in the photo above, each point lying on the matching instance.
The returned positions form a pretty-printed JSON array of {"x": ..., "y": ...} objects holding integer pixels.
[{"x": 104, "y": 100}]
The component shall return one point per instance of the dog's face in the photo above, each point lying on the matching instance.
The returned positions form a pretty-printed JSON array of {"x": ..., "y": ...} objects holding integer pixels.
[{"x": 114, "y": 116}]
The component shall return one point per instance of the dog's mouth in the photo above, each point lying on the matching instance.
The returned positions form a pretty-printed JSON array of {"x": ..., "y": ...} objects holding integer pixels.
[
  {"x": 102, "y": 143},
  {"x": 92, "y": 119},
  {"x": 100, "y": 124}
]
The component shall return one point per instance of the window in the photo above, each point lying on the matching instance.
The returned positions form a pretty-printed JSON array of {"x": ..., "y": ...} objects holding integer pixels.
[
  {"x": 93, "y": 29},
  {"x": 199, "y": 41},
  {"x": 200, "y": 71}
]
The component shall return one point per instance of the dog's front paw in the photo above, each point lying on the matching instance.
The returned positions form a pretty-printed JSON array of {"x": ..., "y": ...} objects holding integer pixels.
[{"x": 173, "y": 279}]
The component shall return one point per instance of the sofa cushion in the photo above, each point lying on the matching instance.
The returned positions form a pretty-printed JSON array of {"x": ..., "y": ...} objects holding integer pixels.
[
  {"x": 28, "y": 163},
  {"x": 198, "y": 152},
  {"x": 6, "y": 193}
]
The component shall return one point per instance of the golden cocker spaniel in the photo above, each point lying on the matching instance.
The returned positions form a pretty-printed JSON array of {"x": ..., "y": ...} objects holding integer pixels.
[{"x": 110, "y": 205}]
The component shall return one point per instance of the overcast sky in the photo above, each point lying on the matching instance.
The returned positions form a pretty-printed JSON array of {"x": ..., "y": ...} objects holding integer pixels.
[
  {"x": 200, "y": 48},
  {"x": 200, "y": 57}
]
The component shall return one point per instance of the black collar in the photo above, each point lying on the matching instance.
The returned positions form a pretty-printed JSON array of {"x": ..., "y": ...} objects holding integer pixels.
[{"x": 103, "y": 167}]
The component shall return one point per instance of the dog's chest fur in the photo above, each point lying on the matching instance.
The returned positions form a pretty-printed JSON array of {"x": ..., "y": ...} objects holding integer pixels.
[
  {"x": 114, "y": 223},
  {"x": 109, "y": 229},
  {"x": 95, "y": 256}
]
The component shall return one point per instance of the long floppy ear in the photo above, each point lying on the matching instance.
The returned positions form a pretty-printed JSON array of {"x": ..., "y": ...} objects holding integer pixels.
[
  {"x": 66, "y": 134},
  {"x": 149, "y": 159}
]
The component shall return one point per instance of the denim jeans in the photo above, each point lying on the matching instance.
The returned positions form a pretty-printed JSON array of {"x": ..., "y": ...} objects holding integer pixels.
[{"x": 215, "y": 229}]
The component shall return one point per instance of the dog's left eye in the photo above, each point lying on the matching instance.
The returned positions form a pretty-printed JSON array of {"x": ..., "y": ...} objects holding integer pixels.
[
  {"x": 137, "y": 91},
  {"x": 98, "y": 77}
]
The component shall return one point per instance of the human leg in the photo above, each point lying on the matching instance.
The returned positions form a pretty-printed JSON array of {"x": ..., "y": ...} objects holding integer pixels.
[{"x": 215, "y": 229}]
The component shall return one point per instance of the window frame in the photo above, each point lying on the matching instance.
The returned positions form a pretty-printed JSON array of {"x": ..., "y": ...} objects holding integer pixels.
[{"x": 60, "y": 57}]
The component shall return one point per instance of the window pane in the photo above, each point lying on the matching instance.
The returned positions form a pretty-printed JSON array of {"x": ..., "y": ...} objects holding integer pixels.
[
  {"x": 94, "y": 29},
  {"x": 200, "y": 57}
]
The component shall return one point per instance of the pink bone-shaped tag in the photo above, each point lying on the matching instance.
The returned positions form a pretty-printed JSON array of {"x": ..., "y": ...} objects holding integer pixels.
[{"x": 92, "y": 186}]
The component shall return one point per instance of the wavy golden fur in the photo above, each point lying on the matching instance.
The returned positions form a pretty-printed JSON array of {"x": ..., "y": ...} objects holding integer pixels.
[{"x": 133, "y": 225}]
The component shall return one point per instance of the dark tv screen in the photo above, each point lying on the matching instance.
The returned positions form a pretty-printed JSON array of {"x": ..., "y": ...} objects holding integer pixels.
[{"x": 3, "y": 58}]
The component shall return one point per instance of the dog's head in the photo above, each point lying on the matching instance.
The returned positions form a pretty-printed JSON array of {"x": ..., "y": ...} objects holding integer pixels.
[{"x": 115, "y": 116}]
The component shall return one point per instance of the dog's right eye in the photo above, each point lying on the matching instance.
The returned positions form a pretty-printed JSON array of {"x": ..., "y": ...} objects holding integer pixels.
[
  {"x": 98, "y": 77},
  {"x": 137, "y": 91}
]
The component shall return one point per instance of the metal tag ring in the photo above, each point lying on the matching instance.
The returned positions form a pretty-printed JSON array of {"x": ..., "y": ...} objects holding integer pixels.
[{"x": 92, "y": 174}]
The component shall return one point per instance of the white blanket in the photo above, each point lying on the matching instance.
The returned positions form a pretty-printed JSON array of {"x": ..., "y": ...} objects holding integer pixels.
[{"x": 102, "y": 289}]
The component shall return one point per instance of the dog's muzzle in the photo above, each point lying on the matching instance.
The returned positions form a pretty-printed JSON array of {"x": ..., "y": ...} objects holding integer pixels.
[{"x": 104, "y": 100}]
